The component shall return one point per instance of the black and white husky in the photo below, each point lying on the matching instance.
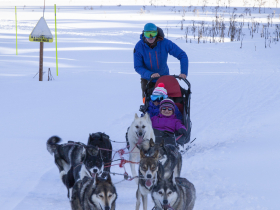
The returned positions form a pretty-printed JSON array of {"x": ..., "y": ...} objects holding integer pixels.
[
  {"x": 169, "y": 157},
  {"x": 102, "y": 141},
  {"x": 170, "y": 194},
  {"x": 94, "y": 194},
  {"x": 74, "y": 160}
]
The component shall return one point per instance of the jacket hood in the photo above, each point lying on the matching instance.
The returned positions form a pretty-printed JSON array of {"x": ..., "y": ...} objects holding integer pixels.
[{"x": 160, "y": 34}]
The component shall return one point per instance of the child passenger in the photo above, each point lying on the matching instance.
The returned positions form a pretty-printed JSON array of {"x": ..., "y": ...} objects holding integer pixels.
[
  {"x": 157, "y": 96},
  {"x": 166, "y": 120}
]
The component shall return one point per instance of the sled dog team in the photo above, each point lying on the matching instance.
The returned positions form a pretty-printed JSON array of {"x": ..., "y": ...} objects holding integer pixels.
[{"x": 85, "y": 170}]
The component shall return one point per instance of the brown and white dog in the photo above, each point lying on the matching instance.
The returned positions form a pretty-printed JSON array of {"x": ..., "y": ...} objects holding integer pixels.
[{"x": 148, "y": 168}]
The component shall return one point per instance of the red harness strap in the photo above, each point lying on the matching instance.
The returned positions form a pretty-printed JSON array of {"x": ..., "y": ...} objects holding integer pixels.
[
  {"x": 122, "y": 163},
  {"x": 179, "y": 137}
]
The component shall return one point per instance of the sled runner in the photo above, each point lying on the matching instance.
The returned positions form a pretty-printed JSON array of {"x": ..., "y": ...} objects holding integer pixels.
[{"x": 181, "y": 97}]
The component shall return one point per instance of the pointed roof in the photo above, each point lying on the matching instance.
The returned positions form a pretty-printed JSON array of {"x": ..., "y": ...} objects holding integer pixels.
[{"x": 41, "y": 32}]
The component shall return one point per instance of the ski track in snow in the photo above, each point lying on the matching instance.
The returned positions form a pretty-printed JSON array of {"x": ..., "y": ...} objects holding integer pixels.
[{"x": 234, "y": 161}]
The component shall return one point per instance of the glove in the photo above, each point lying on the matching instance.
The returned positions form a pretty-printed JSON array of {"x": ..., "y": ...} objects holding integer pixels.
[
  {"x": 183, "y": 139},
  {"x": 183, "y": 131},
  {"x": 142, "y": 108}
]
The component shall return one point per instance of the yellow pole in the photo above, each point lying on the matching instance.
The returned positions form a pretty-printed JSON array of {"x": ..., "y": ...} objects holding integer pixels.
[
  {"x": 16, "y": 30},
  {"x": 55, "y": 40}
]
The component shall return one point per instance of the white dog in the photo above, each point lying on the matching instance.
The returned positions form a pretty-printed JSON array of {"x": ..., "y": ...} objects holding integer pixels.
[{"x": 139, "y": 134}]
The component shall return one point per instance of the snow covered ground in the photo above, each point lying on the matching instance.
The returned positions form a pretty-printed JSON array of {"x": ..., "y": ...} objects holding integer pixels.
[{"x": 234, "y": 108}]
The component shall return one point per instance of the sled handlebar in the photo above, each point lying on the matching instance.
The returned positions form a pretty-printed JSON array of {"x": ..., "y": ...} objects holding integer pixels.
[{"x": 177, "y": 77}]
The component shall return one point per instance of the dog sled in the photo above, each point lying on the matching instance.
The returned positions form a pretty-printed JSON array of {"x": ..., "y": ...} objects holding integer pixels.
[{"x": 181, "y": 97}]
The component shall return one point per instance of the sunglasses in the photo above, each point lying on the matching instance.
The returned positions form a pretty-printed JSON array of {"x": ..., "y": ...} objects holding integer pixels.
[
  {"x": 158, "y": 98},
  {"x": 149, "y": 34},
  {"x": 165, "y": 108}
]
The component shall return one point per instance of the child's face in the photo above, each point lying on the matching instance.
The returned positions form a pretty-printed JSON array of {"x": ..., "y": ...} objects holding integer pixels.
[
  {"x": 156, "y": 103},
  {"x": 166, "y": 111}
]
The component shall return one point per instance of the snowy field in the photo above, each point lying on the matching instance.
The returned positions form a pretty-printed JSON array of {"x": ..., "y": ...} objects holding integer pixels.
[{"x": 234, "y": 163}]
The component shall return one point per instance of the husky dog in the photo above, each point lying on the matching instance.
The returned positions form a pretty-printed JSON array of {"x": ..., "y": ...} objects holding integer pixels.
[
  {"x": 139, "y": 134},
  {"x": 102, "y": 141},
  {"x": 94, "y": 194},
  {"x": 92, "y": 164},
  {"x": 65, "y": 155},
  {"x": 179, "y": 195},
  {"x": 74, "y": 160},
  {"x": 148, "y": 168},
  {"x": 169, "y": 157}
]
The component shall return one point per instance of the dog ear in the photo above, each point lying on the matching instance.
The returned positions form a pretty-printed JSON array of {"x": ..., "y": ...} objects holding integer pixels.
[
  {"x": 160, "y": 172},
  {"x": 162, "y": 143},
  {"x": 109, "y": 180},
  {"x": 172, "y": 178},
  {"x": 156, "y": 154},
  {"x": 159, "y": 176},
  {"x": 152, "y": 143},
  {"x": 136, "y": 116},
  {"x": 142, "y": 154},
  {"x": 145, "y": 116}
]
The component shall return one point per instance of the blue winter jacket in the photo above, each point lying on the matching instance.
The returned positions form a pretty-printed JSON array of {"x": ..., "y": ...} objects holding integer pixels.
[
  {"x": 148, "y": 61},
  {"x": 153, "y": 110}
]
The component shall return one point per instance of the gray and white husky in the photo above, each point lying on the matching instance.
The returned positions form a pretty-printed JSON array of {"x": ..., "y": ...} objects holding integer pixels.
[
  {"x": 169, "y": 157},
  {"x": 94, "y": 194},
  {"x": 148, "y": 168},
  {"x": 170, "y": 194},
  {"x": 139, "y": 134}
]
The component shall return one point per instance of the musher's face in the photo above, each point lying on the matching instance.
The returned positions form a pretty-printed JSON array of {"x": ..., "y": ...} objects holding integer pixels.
[{"x": 151, "y": 40}]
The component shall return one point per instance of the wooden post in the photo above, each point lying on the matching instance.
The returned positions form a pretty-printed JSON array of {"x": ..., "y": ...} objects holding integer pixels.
[{"x": 41, "y": 61}]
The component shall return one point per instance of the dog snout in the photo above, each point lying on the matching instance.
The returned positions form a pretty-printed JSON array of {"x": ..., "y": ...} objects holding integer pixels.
[
  {"x": 165, "y": 202},
  {"x": 107, "y": 208},
  {"x": 140, "y": 133},
  {"x": 95, "y": 170},
  {"x": 149, "y": 176}
]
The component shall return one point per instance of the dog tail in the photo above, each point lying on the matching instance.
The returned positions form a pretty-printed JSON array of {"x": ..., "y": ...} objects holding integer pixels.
[{"x": 52, "y": 143}]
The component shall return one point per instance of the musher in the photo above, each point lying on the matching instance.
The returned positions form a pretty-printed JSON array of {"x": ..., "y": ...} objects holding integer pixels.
[{"x": 151, "y": 52}]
